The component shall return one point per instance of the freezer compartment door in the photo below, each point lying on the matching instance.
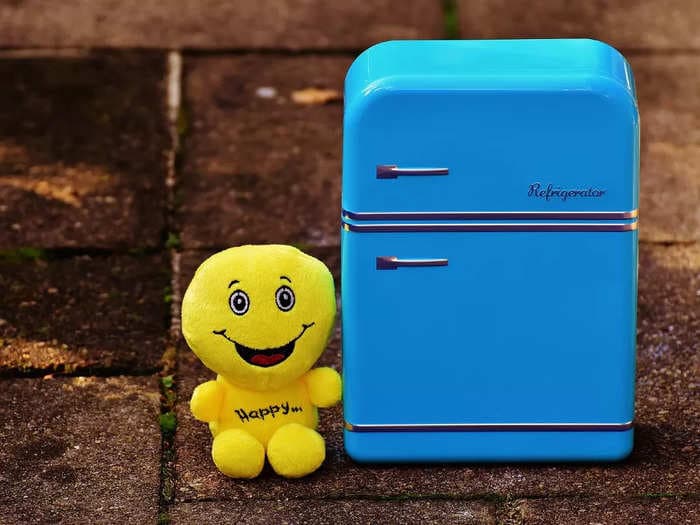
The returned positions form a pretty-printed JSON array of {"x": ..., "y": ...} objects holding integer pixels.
[
  {"x": 488, "y": 327},
  {"x": 492, "y": 150}
]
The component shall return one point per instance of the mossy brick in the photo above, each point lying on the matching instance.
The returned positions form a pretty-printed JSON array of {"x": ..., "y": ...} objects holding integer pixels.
[
  {"x": 79, "y": 450},
  {"x": 82, "y": 150},
  {"x": 83, "y": 313}
]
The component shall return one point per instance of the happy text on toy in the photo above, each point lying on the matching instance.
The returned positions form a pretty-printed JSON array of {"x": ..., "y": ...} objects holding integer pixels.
[{"x": 261, "y": 413}]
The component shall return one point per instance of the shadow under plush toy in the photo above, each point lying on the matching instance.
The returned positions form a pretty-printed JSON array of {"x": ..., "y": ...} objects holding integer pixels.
[{"x": 260, "y": 317}]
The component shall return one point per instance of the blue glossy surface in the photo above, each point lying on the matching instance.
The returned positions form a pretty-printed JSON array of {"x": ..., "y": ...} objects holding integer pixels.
[
  {"x": 520, "y": 326},
  {"x": 488, "y": 446},
  {"x": 501, "y": 115}
]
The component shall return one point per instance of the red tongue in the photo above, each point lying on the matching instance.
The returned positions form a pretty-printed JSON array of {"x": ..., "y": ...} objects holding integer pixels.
[{"x": 266, "y": 360}]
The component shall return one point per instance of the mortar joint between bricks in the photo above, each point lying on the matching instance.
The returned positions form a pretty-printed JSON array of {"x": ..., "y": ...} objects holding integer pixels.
[
  {"x": 168, "y": 421},
  {"x": 174, "y": 104}
]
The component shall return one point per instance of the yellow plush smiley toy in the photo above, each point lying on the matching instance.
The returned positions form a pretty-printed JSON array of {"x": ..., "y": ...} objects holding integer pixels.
[{"x": 260, "y": 317}]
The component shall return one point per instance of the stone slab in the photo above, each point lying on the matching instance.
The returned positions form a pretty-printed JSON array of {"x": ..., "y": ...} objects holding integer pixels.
[
  {"x": 263, "y": 511},
  {"x": 577, "y": 511},
  {"x": 226, "y": 201},
  {"x": 82, "y": 150},
  {"x": 208, "y": 24},
  {"x": 669, "y": 105},
  {"x": 666, "y": 445},
  {"x": 83, "y": 313},
  {"x": 626, "y": 24},
  {"x": 259, "y": 167},
  {"x": 79, "y": 450}
]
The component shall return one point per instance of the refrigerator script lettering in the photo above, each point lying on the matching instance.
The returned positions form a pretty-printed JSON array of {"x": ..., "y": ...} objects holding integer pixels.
[{"x": 555, "y": 192}]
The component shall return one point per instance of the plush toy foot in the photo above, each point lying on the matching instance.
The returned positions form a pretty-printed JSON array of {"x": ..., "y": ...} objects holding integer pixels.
[
  {"x": 238, "y": 454},
  {"x": 295, "y": 450}
]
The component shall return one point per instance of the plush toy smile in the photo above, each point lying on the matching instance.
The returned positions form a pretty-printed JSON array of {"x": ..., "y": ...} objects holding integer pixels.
[
  {"x": 264, "y": 356},
  {"x": 264, "y": 401}
]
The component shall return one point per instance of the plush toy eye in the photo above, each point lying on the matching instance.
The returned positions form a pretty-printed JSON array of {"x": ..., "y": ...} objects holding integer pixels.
[
  {"x": 284, "y": 297},
  {"x": 239, "y": 302}
]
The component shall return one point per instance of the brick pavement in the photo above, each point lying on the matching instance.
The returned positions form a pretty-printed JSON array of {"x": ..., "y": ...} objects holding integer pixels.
[{"x": 118, "y": 176}]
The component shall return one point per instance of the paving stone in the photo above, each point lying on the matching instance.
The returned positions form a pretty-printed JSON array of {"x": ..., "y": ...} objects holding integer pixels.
[
  {"x": 589, "y": 511},
  {"x": 666, "y": 444},
  {"x": 332, "y": 512},
  {"x": 288, "y": 24},
  {"x": 82, "y": 151},
  {"x": 261, "y": 169},
  {"x": 669, "y": 105},
  {"x": 668, "y": 361},
  {"x": 82, "y": 313},
  {"x": 79, "y": 450},
  {"x": 220, "y": 151},
  {"x": 625, "y": 24}
]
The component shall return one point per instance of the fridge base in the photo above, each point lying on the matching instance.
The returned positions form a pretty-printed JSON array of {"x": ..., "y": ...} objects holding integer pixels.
[{"x": 498, "y": 446}]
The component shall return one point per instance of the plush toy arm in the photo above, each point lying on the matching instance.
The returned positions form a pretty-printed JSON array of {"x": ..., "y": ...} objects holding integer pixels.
[
  {"x": 206, "y": 400},
  {"x": 324, "y": 386}
]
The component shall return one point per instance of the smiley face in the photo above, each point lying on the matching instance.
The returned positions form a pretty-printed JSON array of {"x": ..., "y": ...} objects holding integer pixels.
[
  {"x": 239, "y": 302},
  {"x": 260, "y": 316}
]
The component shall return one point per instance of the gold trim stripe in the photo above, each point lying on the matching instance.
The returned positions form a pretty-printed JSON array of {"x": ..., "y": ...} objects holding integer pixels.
[
  {"x": 491, "y": 215},
  {"x": 492, "y": 427},
  {"x": 491, "y": 227}
]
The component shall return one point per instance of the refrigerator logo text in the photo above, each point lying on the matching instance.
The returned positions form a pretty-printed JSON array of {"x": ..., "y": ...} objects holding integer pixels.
[{"x": 550, "y": 192}]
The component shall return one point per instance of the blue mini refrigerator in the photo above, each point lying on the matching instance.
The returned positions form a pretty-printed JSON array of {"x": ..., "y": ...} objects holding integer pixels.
[{"x": 489, "y": 251}]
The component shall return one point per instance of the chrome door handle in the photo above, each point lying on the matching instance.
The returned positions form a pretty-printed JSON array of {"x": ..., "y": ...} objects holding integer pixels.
[
  {"x": 391, "y": 262},
  {"x": 389, "y": 171}
]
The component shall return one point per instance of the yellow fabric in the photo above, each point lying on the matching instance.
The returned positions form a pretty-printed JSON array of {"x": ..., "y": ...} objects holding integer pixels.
[
  {"x": 295, "y": 451},
  {"x": 261, "y": 413},
  {"x": 324, "y": 386},
  {"x": 238, "y": 318},
  {"x": 238, "y": 454},
  {"x": 206, "y": 400}
]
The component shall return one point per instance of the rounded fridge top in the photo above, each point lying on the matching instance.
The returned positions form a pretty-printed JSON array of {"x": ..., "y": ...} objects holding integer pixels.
[{"x": 490, "y": 126}]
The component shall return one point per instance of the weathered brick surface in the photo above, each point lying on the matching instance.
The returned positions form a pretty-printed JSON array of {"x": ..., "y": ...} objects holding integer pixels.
[
  {"x": 82, "y": 151},
  {"x": 79, "y": 450},
  {"x": 578, "y": 511},
  {"x": 669, "y": 105},
  {"x": 82, "y": 164},
  {"x": 666, "y": 439},
  {"x": 624, "y": 24},
  {"x": 82, "y": 313},
  {"x": 261, "y": 170},
  {"x": 287, "y": 24},
  {"x": 332, "y": 512}
]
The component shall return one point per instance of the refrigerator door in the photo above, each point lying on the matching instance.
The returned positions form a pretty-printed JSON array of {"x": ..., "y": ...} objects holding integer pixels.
[
  {"x": 488, "y": 345},
  {"x": 510, "y": 127}
]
